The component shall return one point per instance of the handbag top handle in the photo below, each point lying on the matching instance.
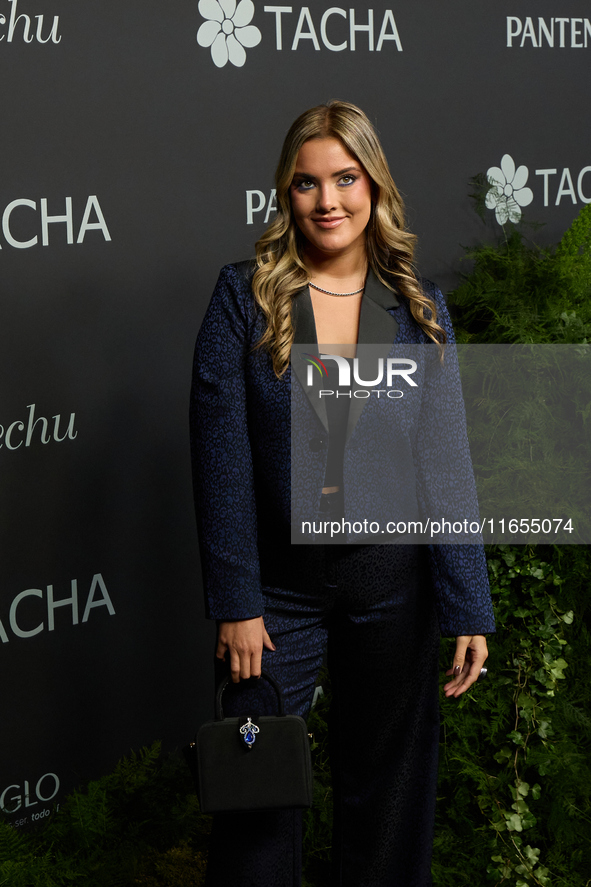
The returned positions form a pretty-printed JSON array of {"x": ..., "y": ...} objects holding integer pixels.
[{"x": 219, "y": 714}]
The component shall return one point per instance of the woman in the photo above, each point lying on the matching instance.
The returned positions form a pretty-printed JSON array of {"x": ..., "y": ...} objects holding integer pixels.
[{"x": 334, "y": 267}]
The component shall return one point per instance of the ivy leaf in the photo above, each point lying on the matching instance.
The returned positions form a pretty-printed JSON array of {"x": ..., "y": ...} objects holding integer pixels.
[
  {"x": 554, "y": 646},
  {"x": 532, "y": 853},
  {"x": 523, "y": 789},
  {"x": 541, "y": 874},
  {"x": 568, "y": 617},
  {"x": 515, "y": 737},
  {"x": 536, "y": 791},
  {"x": 503, "y": 755},
  {"x": 514, "y": 822},
  {"x": 525, "y": 701}
]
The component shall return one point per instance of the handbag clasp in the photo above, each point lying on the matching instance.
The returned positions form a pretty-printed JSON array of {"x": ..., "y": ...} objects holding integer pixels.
[{"x": 249, "y": 731}]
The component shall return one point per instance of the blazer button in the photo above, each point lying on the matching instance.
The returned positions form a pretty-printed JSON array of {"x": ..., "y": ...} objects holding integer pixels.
[{"x": 317, "y": 443}]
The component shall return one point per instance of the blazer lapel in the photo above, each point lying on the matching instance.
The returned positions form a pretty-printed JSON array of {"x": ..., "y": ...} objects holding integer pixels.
[{"x": 377, "y": 327}]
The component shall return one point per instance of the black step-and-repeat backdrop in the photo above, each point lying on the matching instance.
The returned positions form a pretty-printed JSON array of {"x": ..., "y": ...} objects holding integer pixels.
[{"x": 139, "y": 140}]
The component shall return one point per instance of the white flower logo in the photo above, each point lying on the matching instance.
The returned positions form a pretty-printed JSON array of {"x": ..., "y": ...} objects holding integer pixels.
[
  {"x": 508, "y": 192},
  {"x": 228, "y": 30}
]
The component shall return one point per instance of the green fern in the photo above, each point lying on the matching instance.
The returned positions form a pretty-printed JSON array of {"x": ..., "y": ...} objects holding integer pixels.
[
  {"x": 518, "y": 291},
  {"x": 116, "y": 831},
  {"x": 577, "y": 238}
]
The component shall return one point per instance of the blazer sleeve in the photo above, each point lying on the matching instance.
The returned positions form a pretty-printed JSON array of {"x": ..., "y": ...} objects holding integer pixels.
[
  {"x": 221, "y": 455},
  {"x": 446, "y": 488}
]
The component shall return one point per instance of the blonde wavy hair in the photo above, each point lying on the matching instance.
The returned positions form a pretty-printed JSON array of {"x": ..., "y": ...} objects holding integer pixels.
[{"x": 281, "y": 272}]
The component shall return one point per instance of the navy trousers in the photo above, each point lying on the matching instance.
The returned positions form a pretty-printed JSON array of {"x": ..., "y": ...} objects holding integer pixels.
[{"x": 376, "y": 617}]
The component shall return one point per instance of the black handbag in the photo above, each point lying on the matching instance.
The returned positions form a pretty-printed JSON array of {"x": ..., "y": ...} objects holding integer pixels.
[{"x": 251, "y": 762}]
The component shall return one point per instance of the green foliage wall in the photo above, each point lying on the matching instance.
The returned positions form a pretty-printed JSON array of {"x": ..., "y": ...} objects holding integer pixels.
[
  {"x": 514, "y": 795},
  {"x": 514, "y": 791},
  {"x": 518, "y": 291}
]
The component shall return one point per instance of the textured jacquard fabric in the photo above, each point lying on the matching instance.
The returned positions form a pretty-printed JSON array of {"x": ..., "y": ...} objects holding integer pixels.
[{"x": 241, "y": 441}]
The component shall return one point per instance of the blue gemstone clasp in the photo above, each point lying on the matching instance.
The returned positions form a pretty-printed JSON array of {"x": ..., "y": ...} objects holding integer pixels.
[{"x": 248, "y": 732}]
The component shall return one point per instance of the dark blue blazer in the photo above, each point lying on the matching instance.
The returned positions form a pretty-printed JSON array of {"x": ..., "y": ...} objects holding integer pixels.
[{"x": 243, "y": 455}]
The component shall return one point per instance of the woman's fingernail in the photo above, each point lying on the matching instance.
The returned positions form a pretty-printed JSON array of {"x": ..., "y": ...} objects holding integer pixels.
[{"x": 457, "y": 670}]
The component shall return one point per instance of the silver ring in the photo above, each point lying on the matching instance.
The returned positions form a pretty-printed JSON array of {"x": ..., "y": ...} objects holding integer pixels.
[{"x": 483, "y": 674}]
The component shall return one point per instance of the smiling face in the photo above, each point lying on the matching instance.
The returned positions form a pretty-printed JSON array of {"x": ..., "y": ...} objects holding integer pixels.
[{"x": 331, "y": 197}]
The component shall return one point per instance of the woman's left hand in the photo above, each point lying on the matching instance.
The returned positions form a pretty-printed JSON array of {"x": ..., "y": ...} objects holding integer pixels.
[{"x": 471, "y": 654}]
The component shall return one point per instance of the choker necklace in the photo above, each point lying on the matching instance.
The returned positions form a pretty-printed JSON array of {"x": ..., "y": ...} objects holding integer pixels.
[{"x": 329, "y": 293}]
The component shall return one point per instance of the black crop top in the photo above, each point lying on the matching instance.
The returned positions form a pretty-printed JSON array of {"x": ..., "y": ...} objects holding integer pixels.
[{"x": 337, "y": 412}]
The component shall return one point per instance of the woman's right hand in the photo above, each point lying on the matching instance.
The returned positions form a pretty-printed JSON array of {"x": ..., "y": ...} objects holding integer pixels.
[{"x": 245, "y": 640}]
